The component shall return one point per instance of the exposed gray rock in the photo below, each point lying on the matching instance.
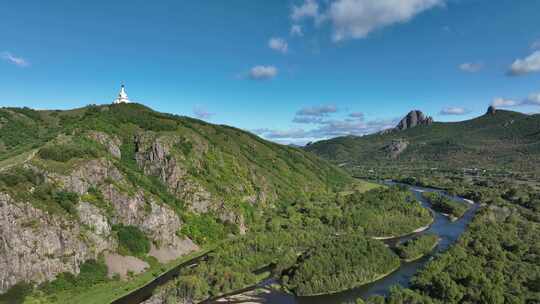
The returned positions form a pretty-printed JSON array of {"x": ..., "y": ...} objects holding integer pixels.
[
  {"x": 112, "y": 143},
  {"x": 90, "y": 174},
  {"x": 123, "y": 265},
  {"x": 413, "y": 119},
  {"x": 36, "y": 246},
  {"x": 153, "y": 155},
  {"x": 92, "y": 217},
  {"x": 159, "y": 222},
  {"x": 396, "y": 147},
  {"x": 233, "y": 218}
]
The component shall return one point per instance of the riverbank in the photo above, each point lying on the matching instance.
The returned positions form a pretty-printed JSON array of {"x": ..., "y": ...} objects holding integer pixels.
[
  {"x": 412, "y": 259},
  {"x": 377, "y": 278},
  {"x": 418, "y": 230}
]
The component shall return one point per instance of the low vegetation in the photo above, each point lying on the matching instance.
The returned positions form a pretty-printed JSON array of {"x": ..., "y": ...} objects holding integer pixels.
[
  {"x": 339, "y": 264},
  {"x": 417, "y": 247},
  {"x": 383, "y": 212},
  {"x": 131, "y": 241},
  {"x": 443, "y": 204},
  {"x": 206, "y": 229}
]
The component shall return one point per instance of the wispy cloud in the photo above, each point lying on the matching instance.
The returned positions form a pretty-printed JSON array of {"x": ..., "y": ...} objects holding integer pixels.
[
  {"x": 18, "y": 61},
  {"x": 454, "y": 111},
  {"x": 202, "y": 113},
  {"x": 320, "y": 123},
  {"x": 278, "y": 44},
  {"x": 357, "y": 115},
  {"x": 317, "y": 110},
  {"x": 307, "y": 119},
  {"x": 471, "y": 67},
  {"x": 526, "y": 65},
  {"x": 309, "y": 9},
  {"x": 535, "y": 45},
  {"x": 504, "y": 102},
  {"x": 327, "y": 129},
  {"x": 296, "y": 30},
  {"x": 532, "y": 100},
  {"x": 262, "y": 72},
  {"x": 353, "y": 19}
]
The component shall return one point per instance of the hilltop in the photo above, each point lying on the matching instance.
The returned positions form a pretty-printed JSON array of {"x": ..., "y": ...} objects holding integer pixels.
[
  {"x": 123, "y": 179},
  {"x": 499, "y": 139}
]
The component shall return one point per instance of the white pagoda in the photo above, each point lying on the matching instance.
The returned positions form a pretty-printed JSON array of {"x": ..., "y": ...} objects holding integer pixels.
[{"x": 122, "y": 96}]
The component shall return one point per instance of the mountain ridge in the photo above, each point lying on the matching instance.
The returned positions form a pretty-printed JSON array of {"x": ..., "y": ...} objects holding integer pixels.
[
  {"x": 83, "y": 184},
  {"x": 503, "y": 139}
]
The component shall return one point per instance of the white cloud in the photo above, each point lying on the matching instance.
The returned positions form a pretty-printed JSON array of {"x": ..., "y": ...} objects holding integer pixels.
[
  {"x": 296, "y": 30},
  {"x": 536, "y": 45},
  {"x": 307, "y": 119},
  {"x": 533, "y": 99},
  {"x": 281, "y": 134},
  {"x": 317, "y": 111},
  {"x": 18, "y": 61},
  {"x": 261, "y": 72},
  {"x": 503, "y": 102},
  {"x": 453, "y": 111},
  {"x": 357, "y": 115},
  {"x": 278, "y": 44},
  {"x": 471, "y": 67},
  {"x": 358, "y": 18},
  {"x": 202, "y": 113},
  {"x": 310, "y": 8},
  {"x": 324, "y": 128},
  {"x": 526, "y": 65}
]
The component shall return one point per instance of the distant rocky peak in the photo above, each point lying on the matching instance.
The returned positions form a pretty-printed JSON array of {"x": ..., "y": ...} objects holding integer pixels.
[
  {"x": 413, "y": 119},
  {"x": 491, "y": 110}
]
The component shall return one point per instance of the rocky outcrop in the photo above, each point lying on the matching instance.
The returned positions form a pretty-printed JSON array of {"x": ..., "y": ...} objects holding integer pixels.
[
  {"x": 90, "y": 174},
  {"x": 157, "y": 221},
  {"x": 35, "y": 246},
  {"x": 413, "y": 119},
  {"x": 396, "y": 147},
  {"x": 111, "y": 143},
  {"x": 491, "y": 110},
  {"x": 153, "y": 155},
  {"x": 92, "y": 217}
]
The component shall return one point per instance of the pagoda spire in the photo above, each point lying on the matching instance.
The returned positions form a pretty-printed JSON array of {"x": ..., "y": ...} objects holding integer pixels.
[{"x": 122, "y": 95}]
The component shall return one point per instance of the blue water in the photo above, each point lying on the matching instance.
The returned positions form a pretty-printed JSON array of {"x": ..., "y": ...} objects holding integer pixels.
[{"x": 448, "y": 231}]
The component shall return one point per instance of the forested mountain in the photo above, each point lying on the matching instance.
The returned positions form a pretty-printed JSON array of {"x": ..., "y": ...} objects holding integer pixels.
[
  {"x": 128, "y": 181},
  {"x": 499, "y": 139}
]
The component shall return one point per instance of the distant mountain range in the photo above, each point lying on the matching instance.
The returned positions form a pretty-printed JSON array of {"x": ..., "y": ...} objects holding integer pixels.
[{"x": 499, "y": 139}]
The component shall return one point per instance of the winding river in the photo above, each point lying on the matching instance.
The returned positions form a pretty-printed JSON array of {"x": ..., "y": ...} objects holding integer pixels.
[{"x": 447, "y": 231}]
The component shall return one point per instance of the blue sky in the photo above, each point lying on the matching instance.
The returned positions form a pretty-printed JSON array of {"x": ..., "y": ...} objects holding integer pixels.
[{"x": 291, "y": 71}]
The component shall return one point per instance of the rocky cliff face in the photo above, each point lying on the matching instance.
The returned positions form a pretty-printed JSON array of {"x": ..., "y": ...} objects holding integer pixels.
[
  {"x": 154, "y": 155},
  {"x": 36, "y": 246},
  {"x": 396, "y": 147},
  {"x": 128, "y": 165},
  {"x": 413, "y": 119}
]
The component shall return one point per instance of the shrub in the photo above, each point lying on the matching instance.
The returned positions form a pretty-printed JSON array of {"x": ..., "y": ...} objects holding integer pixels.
[
  {"x": 16, "y": 294},
  {"x": 91, "y": 272},
  {"x": 132, "y": 241},
  {"x": 66, "y": 200},
  {"x": 206, "y": 229},
  {"x": 65, "y": 152}
]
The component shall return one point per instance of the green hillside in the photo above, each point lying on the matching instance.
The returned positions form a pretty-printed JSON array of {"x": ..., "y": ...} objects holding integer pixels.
[
  {"x": 505, "y": 139},
  {"x": 224, "y": 166}
]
